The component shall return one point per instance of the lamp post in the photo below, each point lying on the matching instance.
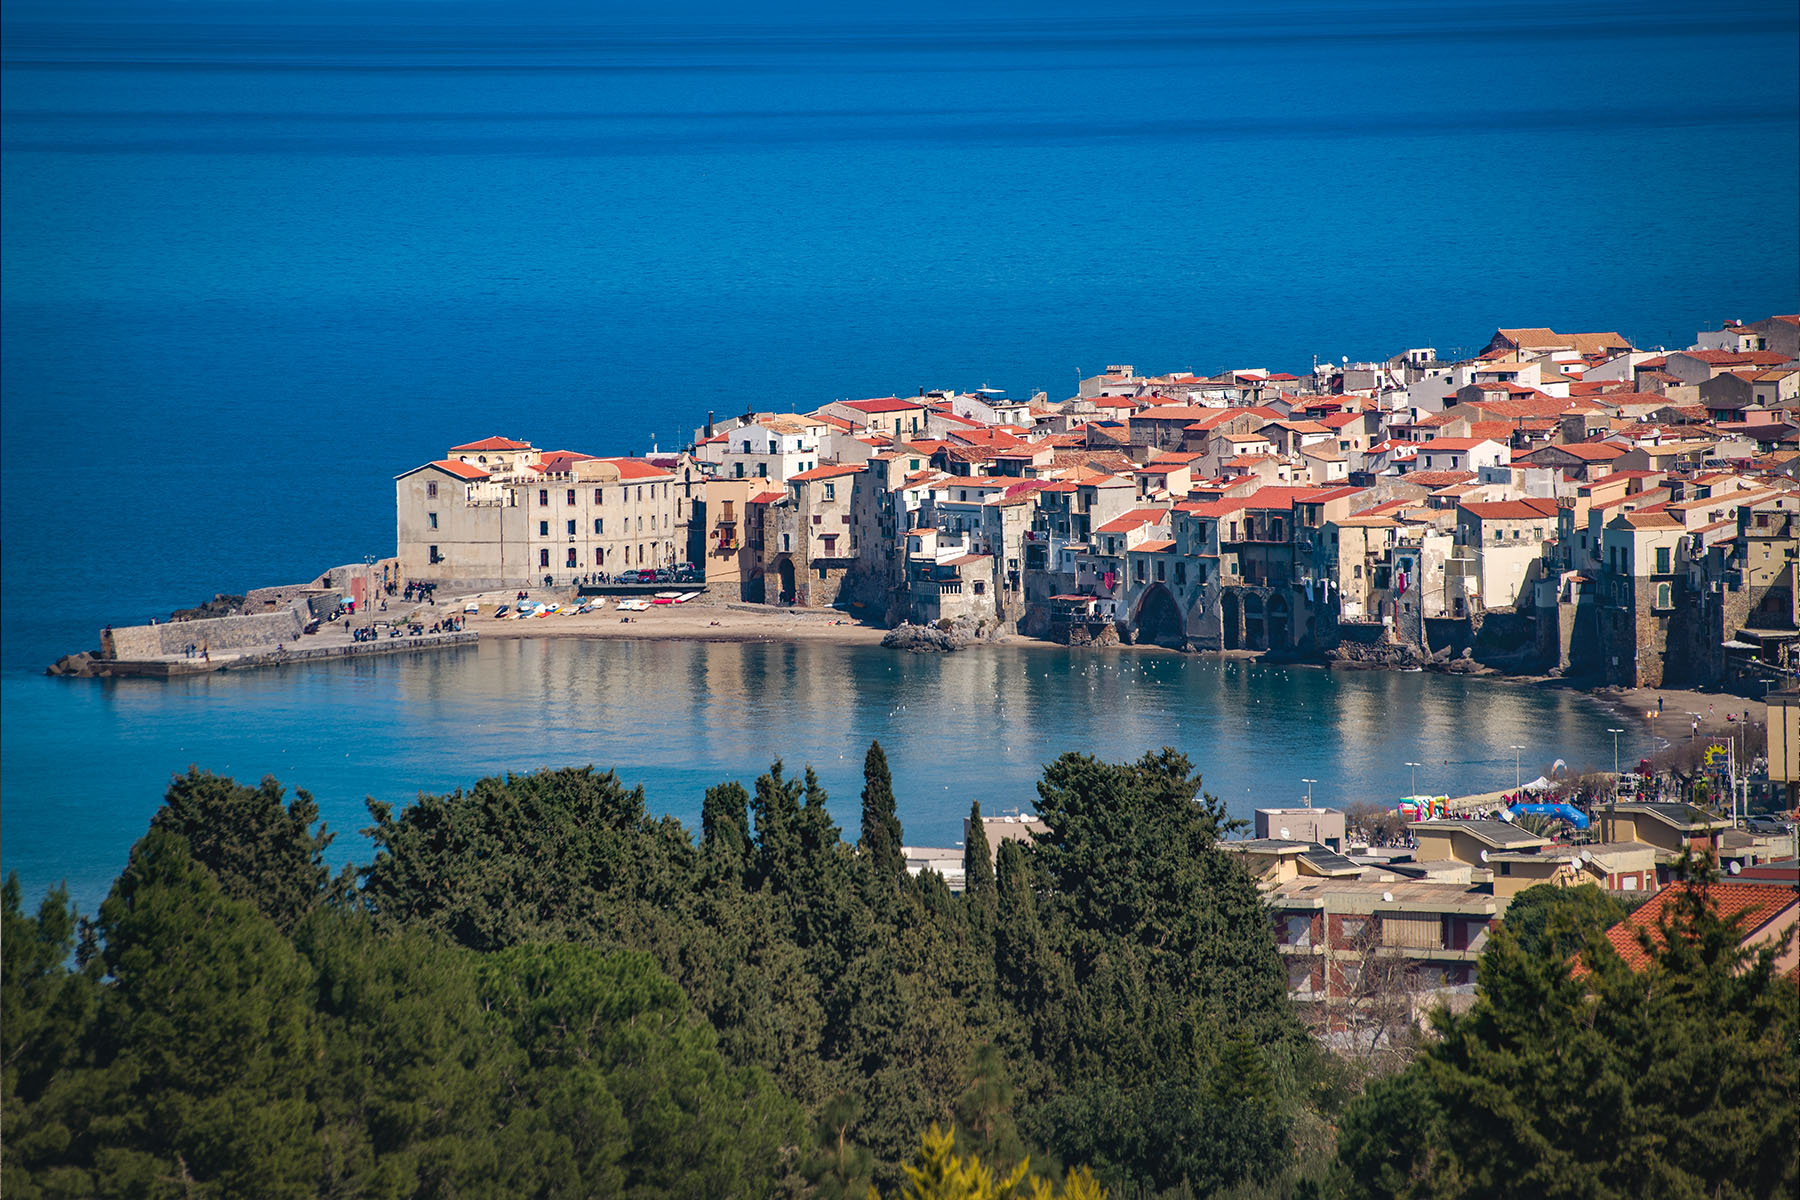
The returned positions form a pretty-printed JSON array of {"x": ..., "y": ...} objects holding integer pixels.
[
  {"x": 1612, "y": 809},
  {"x": 1517, "y": 785},
  {"x": 1309, "y": 783},
  {"x": 1415, "y": 776}
]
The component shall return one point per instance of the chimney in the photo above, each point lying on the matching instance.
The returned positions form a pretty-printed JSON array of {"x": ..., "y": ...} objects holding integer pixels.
[{"x": 709, "y": 423}]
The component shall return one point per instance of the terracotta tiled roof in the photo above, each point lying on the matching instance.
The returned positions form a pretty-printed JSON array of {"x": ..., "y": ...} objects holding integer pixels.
[
  {"x": 493, "y": 443},
  {"x": 828, "y": 471},
  {"x": 1757, "y": 905},
  {"x": 461, "y": 470}
]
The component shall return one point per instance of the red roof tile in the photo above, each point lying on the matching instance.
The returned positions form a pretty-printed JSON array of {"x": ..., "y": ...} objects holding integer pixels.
[{"x": 493, "y": 443}]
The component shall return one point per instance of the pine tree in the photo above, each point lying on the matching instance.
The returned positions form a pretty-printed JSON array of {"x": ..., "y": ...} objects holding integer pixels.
[{"x": 258, "y": 850}]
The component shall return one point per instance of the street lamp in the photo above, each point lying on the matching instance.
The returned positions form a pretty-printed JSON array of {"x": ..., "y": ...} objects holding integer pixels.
[
  {"x": 1516, "y": 784},
  {"x": 1309, "y": 783},
  {"x": 1612, "y": 809},
  {"x": 1415, "y": 775}
]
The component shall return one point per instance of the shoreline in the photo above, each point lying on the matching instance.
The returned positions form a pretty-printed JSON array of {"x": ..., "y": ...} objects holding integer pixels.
[{"x": 715, "y": 620}]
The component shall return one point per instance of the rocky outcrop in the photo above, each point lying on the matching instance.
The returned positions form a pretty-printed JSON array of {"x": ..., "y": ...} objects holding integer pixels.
[
  {"x": 85, "y": 665},
  {"x": 1390, "y": 655},
  {"x": 941, "y": 638}
]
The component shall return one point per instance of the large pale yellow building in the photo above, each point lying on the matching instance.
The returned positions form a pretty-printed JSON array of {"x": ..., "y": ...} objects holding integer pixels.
[{"x": 499, "y": 513}]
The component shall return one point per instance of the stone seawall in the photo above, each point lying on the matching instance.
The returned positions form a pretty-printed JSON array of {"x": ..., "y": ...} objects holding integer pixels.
[
  {"x": 167, "y": 669},
  {"x": 218, "y": 634}
]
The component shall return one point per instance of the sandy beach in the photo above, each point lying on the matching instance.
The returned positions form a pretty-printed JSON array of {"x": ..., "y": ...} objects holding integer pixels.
[{"x": 701, "y": 620}]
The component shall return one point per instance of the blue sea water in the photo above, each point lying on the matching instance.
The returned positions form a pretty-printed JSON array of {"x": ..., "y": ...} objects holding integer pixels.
[{"x": 256, "y": 260}]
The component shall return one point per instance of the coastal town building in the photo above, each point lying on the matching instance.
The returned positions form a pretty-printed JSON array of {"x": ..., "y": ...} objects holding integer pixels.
[{"x": 1555, "y": 502}]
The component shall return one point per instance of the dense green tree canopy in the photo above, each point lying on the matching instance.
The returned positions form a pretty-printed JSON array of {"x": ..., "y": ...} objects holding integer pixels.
[{"x": 1586, "y": 1078}]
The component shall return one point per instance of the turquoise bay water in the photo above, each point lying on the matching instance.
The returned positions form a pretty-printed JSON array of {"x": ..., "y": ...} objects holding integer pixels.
[
  {"x": 258, "y": 260},
  {"x": 87, "y": 761}
]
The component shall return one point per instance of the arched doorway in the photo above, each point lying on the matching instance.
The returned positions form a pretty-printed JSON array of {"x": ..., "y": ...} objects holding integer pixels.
[
  {"x": 785, "y": 570},
  {"x": 1159, "y": 619},
  {"x": 1279, "y": 622},
  {"x": 1228, "y": 620},
  {"x": 1256, "y": 634}
]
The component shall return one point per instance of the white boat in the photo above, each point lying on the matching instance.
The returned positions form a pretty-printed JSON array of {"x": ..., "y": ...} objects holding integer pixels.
[
  {"x": 668, "y": 595},
  {"x": 686, "y": 596},
  {"x": 634, "y": 606}
]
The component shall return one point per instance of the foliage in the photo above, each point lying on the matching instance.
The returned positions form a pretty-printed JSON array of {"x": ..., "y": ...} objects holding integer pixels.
[
  {"x": 1554, "y": 921},
  {"x": 535, "y": 988},
  {"x": 1592, "y": 1079},
  {"x": 937, "y": 1172},
  {"x": 256, "y": 849}
]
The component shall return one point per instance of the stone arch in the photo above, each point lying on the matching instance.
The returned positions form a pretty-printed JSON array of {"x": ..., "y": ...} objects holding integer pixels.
[
  {"x": 784, "y": 570},
  {"x": 1280, "y": 622},
  {"x": 1230, "y": 629},
  {"x": 1159, "y": 618},
  {"x": 1256, "y": 628}
]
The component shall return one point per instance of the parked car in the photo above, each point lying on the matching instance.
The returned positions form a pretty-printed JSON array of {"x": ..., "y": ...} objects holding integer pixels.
[{"x": 1766, "y": 825}]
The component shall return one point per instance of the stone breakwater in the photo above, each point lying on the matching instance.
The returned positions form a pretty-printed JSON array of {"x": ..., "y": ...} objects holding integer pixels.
[{"x": 89, "y": 665}]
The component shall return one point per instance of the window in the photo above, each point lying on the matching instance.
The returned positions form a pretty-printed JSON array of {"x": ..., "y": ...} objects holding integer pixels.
[
  {"x": 599, "y": 557},
  {"x": 543, "y": 497},
  {"x": 571, "y": 499},
  {"x": 599, "y": 495},
  {"x": 571, "y": 529},
  {"x": 571, "y": 556},
  {"x": 1137, "y": 570},
  {"x": 599, "y": 524},
  {"x": 544, "y": 557},
  {"x": 738, "y": 469},
  {"x": 746, "y": 447},
  {"x": 762, "y": 470},
  {"x": 1662, "y": 563},
  {"x": 830, "y": 541},
  {"x": 543, "y": 529},
  {"x": 640, "y": 527},
  {"x": 1159, "y": 570},
  {"x": 435, "y": 556},
  {"x": 980, "y": 587},
  {"x": 1663, "y": 596},
  {"x": 831, "y": 491},
  {"x": 431, "y": 520},
  {"x": 640, "y": 493},
  {"x": 1180, "y": 574},
  {"x": 431, "y": 491}
]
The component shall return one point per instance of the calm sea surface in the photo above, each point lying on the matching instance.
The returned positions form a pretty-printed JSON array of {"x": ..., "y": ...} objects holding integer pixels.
[
  {"x": 255, "y": 265},
  {"x": 87, "y": 763}
]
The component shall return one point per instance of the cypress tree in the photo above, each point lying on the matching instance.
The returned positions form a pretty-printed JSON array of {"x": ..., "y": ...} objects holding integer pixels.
[
  {"x": 978, "y": 861},
  {"x": 880, "y": 825}
]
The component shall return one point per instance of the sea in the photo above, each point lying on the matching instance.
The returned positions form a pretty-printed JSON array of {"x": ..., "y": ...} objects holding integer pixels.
[{"x": 257, "y": 259}]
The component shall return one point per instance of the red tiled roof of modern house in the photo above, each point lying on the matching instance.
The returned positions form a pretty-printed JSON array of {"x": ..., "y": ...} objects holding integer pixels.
[
  {"x": 1755, "y": 905},
  {"x": 1339, "y": 420},
  {"x": 828, "y": 471},
  {"x": 493, "y": 443},
  {"x": 1159, "y": 547},
  {"x": 768, "y": 497}
]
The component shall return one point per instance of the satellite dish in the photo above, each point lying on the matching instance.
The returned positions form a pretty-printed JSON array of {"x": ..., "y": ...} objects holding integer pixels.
[
  {"x": 1506, "y": 814},
  {"x": 1387, "y": 897},
  {"x": 1587, "y": 856},
  {"x": 1736, "y": 867},
  {"x": 1284, "y": 833},
  {"x": 1484, "y": 856}
]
